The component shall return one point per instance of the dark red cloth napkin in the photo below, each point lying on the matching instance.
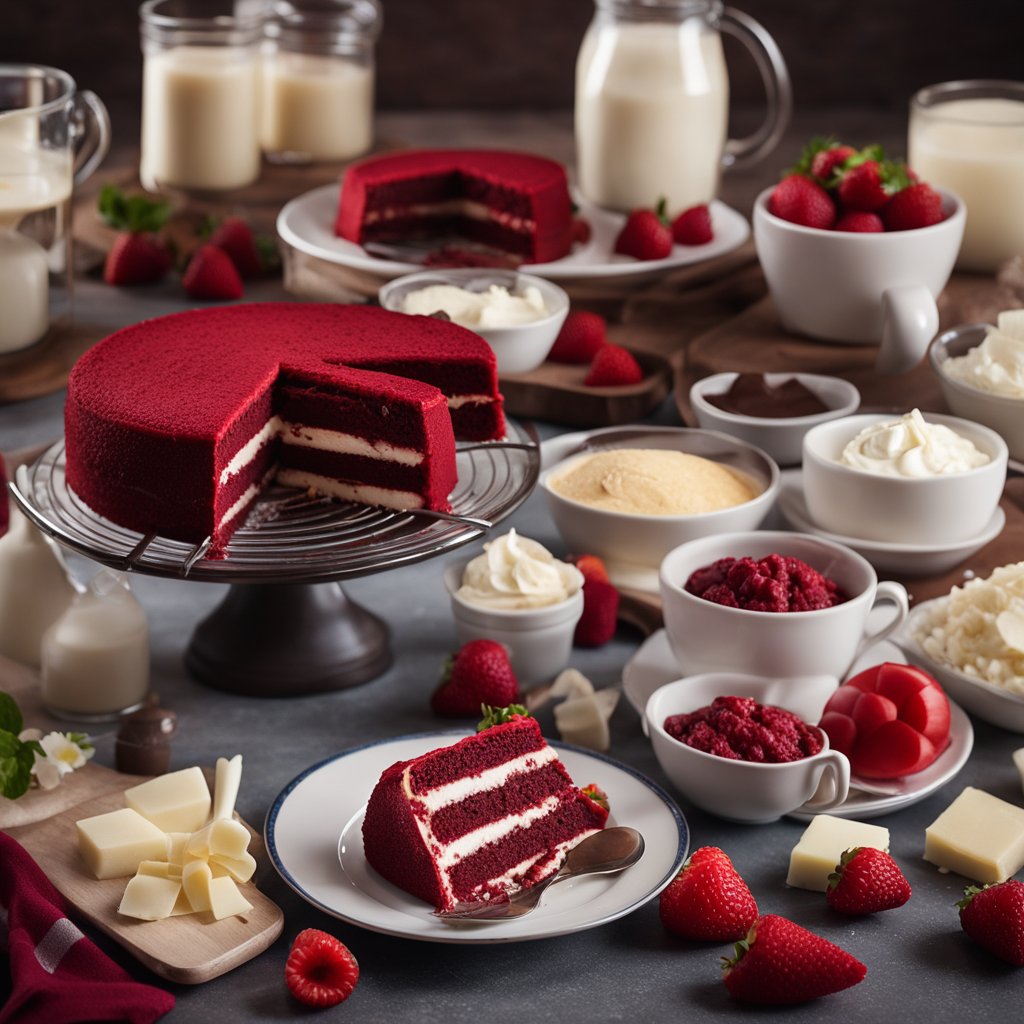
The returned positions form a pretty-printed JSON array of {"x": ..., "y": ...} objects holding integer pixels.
[{"x": 58, "y": 976}]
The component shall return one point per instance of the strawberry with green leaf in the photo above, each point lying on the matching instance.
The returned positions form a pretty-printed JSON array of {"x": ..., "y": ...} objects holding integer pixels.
[{"x": 138, "y": 255}]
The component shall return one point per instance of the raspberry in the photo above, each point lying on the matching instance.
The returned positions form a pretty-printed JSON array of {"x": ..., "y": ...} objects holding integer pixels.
[{"x": 320, "y": 970}]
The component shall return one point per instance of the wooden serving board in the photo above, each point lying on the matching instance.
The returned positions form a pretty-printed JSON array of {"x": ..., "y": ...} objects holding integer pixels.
[{"x": 187, "y": 950}]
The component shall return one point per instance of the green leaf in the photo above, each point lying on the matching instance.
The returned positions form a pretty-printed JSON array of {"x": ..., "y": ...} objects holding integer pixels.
[
  {"x": 498, "y": 716},
  {"x": 136, "y": 213},
  {"x": 10, "y": 716},
  {"x": 16, "y": 759},
  {"x": 817, "y": 145}
]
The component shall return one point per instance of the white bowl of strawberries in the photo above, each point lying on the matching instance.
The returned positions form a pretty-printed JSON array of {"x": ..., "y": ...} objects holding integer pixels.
[{"x": 855, "y": 249}]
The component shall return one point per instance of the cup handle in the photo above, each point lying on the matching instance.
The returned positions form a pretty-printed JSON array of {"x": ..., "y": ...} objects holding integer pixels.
[
  {"x": 895, "y": 593},
  {"x": 833, "y": 783},
  {"x": 92, "y": 134},
  {"x": 778, "y": 91},
  {"x": 910, "y": 319}
]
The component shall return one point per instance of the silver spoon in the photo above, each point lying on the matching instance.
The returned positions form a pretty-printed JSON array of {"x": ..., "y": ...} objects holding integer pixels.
[{"x": 604, "y": 853}]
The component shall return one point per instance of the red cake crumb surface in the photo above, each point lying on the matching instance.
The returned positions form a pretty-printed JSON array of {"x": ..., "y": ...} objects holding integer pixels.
[
  {"x": 741, "y": 729},
  {"x": 775, "y": 583}
]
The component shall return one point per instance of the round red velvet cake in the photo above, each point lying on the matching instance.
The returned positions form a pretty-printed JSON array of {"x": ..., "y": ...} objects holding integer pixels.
[
  {"x": 515, "y": 202},
  {"x": 174, "y": 425}
]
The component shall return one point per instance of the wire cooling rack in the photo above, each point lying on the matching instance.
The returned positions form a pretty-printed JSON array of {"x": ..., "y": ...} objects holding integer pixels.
[{"x": 289, "y": 536}]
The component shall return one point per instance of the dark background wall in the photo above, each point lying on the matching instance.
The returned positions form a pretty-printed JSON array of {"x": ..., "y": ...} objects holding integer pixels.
[{"x": 519, "y": 54}]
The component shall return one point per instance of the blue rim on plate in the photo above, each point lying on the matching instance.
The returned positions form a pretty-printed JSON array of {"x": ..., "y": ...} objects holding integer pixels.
[{"x": 318, "y": 864}]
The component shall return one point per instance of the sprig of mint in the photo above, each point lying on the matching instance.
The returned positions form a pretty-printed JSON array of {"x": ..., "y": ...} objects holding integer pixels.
[{"x": 16, "y": 756}]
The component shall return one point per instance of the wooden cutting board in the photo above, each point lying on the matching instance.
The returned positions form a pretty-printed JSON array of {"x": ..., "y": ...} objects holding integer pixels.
[{"x": 188, "y": 950}]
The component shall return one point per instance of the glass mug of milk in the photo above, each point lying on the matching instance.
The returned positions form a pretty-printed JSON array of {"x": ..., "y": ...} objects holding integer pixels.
[
  {"x": 200, "y": 94},
  {"x": 51, "y": 137},
  {"x": 968, "y": 137},
  {"x": 652, "y": 99},
  {"x": 316, "y": 99}
]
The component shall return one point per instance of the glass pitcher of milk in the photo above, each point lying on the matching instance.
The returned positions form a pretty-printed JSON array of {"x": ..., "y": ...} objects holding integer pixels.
[
  {"x": 652, "y": 100},
  {"x": 51, "y": 138}
]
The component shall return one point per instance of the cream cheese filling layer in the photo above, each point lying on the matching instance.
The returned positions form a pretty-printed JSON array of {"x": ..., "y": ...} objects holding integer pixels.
[
  {"x": 450, "y": 207},
  {"x": 458, "y": 401},
  {"x": 365, "y": 494}
]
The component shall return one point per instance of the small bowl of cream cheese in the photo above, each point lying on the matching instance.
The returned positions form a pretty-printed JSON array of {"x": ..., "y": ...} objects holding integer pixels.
[
  {"x": 518, "y": 315},
  {"x": 980, "y": 368},
  {"x": 517, "y": 593},
  {"x": 915, "y": 478}
]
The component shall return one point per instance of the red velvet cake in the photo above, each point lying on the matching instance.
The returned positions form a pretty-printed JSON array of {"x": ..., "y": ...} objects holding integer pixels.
[
  {"x": 175, "y": 424},
  {"x": 493, "y": 813},
  {"x": 515, "y": 202}
]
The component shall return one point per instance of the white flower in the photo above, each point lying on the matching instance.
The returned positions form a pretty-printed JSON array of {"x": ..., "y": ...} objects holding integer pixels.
[
  {"x": 62, "y": 751},
  {"x": 47, "y": 772},
  {"x": 27, "y": 735}
]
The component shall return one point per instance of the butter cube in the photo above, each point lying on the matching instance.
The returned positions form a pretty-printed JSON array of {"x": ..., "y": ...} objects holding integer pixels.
[
  {"x": 114, "y": 844},
  {"x": 176, "y": 802},
  {"x": 150, "y": 898},
  {"x": 241, "y": 869},
  {"x": 822, "y": 846},
  {"x": 226, "y": 900},
  {"x": 978, "y": 836},
  {"x": 224, "y": 837},
  {"x": 195, "y": 879}
]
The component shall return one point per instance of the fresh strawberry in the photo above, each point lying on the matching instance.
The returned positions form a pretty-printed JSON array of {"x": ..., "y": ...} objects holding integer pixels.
[
  {"x": 580, "y": 230},
  {"x": 693, "y": 226},
  {"x": 859, "y": 221},
  {"x": 802, "y": 201},
  {"x": 645, "y": 235},
  {"x": 138, "y": 255},
  {"x": 862, "y": 188},
  {"x": 235, "y": 237},
  {"x": 779, "y": 962},
  {"x": 708, "y": 900},
  {"x": 478, "y": 673},
  {"x": 826, "y": 161},
  {"x": 320, "y": 970},
  {"x": 866, "y": 881},
  {"x": 994, "y": 917},
  {"x": 211, "y": 275},
  {"x": 613, "y": 366},
  {"x": 592, "y": 791},
  {"x": 600, "y": 611},
  {"x": 916, "y": 206},
  {"x": 581, "y": 336},
  {"x": 592, "y": 567}
]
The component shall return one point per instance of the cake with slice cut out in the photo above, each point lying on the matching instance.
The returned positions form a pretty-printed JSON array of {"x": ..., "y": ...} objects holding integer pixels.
[{"x": 490, "y": 814}]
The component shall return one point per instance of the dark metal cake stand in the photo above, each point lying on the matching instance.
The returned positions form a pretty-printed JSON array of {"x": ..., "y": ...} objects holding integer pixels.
[{"x": 286, "y": 626}]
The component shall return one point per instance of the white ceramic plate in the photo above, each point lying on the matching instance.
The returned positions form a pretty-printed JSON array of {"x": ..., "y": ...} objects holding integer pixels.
[
  {"x": 307, "y": 223},
  {"x": 313, "y": 834},
  {"x": 988, "y": 702},
  {"x": 906, "y": 559}
]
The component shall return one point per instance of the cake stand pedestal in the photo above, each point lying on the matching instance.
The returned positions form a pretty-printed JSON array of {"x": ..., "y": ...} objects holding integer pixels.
[{"x": 286, "y": 627}]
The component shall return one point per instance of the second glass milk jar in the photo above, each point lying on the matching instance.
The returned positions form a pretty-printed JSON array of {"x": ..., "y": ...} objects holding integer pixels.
[
  {"x": 652, "y": 99},
  {"x": 317, "y": 79},
  {"x": 200, "y": 94}
]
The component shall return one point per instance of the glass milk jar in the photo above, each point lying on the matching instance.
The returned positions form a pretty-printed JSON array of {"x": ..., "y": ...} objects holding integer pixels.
[
  {"x": 200, "y": 94},
  {"x": 317, "y": 79},
  {"x": 652, "y": 100}
]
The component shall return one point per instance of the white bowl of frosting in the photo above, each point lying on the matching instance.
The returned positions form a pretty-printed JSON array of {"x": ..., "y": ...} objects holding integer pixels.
[
  {"x": 518, "y": 315},
  {"x": 517, "y": 593},
  {"x": 912, "y": 479},
  {"x": 980, "y": 368}
]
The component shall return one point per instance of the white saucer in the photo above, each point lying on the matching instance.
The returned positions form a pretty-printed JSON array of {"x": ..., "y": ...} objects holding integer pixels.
[
  {"x": 307, "y": 223},
  {"x": 906, "y": 559},
  {"x": 314, "y": 837},
  {"x": 653, "y": 665}
]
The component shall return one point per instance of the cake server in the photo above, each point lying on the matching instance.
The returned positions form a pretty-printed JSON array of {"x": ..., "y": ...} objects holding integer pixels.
[{"x": 604, "y": 853}]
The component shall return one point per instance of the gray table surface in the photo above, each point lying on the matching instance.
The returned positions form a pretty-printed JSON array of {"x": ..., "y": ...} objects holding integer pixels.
[{"x": 919, "y": 964}]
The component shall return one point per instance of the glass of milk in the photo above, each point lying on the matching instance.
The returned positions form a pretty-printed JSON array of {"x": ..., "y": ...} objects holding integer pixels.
[
  {"x": 652, "y": 101},
  {"x": 968, "y": 137},
  {"x": 51, "y": 136},
  {"x": 316, "y": 99},
  {"x": 200, "y": 94}
]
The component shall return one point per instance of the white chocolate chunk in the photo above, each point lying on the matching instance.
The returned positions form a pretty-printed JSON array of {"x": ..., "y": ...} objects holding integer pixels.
[
  {"x": 978, "y": 836},
  {"x": 160, "y": 869},
  {"x": 176, "y": 802},
  {"x": 241, "y": 869},
  {"x": 822, "y": 845},
  {"x": 226, "y": 837},
  {"x": 1011, "y": 322},
  {"x": 571, "y": 683},
  {"x": 225, "y": 899},
  {"x": 584, "y": 720},
  {"x": 115, "y": 843},
  {"x": 195, "y": 879},
  {"x": 150, "y": 898},
  {"x": 225, "y": 786}
]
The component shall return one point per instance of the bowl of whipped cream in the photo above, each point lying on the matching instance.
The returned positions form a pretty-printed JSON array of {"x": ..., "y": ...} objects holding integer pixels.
[
  {"x": 980, "y": 368},
  {"x": 919, "y": 478},
  {"x": 518, "y": 315}
]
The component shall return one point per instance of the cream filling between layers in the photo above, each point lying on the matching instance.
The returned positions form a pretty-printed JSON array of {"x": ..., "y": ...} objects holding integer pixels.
[
  {"x": 458, "y": 401},
  {"x": 465, "y": 207},
  {"x": 247, "y": 495},
  {"x": 365, "y": 494}
]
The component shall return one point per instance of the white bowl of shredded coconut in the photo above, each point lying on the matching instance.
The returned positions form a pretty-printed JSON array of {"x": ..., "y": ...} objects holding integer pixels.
[{"x": 972, "y": 641}]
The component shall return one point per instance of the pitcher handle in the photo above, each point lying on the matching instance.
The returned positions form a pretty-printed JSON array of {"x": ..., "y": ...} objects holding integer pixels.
[
  {"x": 778, "y": 91},
  {"x": 92, "y": 134}
]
